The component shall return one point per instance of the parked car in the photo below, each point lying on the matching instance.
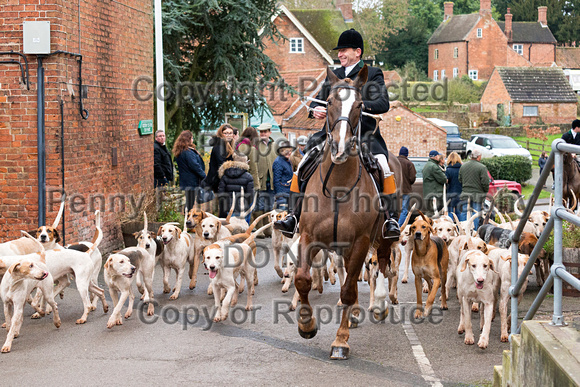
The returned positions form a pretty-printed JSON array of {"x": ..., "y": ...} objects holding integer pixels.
[
  {"x": 492, "y": 145},
  {"x": 494, "y": 185},
  {"x": 454, "y": 141}
]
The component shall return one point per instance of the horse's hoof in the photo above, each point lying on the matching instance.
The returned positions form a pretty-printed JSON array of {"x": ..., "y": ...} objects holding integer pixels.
[
  {"x": 308, "y": 335},
  {"x": 339, "y": 353},
  {"x": 381, "y": 315},
  {"x": 353, "y": 324}
]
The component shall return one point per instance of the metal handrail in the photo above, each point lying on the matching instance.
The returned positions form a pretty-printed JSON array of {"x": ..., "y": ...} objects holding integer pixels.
[{"x": 558, "y": 271}]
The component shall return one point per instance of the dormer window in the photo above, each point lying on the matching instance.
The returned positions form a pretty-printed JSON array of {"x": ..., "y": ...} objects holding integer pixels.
[
  {"x": 297, "y": 45},
  {"x": 479, "y": 33}
]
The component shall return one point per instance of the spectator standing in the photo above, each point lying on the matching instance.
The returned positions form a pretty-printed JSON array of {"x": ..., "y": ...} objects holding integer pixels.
[
  {"x": 222, "y": 151},
  {"x": 454, "y": 187},
  {"x": 282, "y": 169},
  {"x": 298, "y": 154},
  {"x": 234, "y": 176},
  {"x": 190, "y": 166},
  {"x": 433, "y": 181},
  {"x": 409, "y": 174},
  {"x": 162, "y": 163},
  {"x": 248, "y": 146},
  {"x": 474, "y": 179},
  {"x": 542, "y": 162},
  {"x": 265, "y": 159}
]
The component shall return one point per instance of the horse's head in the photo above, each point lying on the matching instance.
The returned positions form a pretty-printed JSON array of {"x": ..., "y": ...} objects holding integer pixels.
[{"x": 344, "y": 114}]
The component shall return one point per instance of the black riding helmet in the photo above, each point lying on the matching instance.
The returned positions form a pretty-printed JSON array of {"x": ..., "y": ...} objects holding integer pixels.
[{"x": 350, "y": 39}]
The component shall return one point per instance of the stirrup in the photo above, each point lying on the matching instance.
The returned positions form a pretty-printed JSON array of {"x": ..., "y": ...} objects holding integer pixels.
[
  {"x": 391, "y": 230},
  {"x": 286, "y": 227}
]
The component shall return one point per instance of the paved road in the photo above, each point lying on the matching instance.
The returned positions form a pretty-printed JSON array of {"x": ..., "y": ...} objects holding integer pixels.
[{"x": 264, "y": 350}]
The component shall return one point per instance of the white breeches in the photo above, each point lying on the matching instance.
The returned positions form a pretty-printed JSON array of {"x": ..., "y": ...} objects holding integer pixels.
[{"x": 382, "y": 159}]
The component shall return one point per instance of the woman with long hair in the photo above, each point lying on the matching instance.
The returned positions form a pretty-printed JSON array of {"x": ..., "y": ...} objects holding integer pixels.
[
  {"x": 454, "y": 186},
  {"x": 248, "y": 146},
  {"x": 190, "y": 166},
  {"x": 221, "y": 152}
]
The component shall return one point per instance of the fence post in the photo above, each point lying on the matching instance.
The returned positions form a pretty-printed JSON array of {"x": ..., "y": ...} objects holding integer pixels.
[{"x": 528, "y": 144}]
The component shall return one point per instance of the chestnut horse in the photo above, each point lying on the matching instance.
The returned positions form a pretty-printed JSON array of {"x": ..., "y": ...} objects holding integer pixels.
[
  {"x": 356, "y": 227},
  {"x": 571, "y": 177}
]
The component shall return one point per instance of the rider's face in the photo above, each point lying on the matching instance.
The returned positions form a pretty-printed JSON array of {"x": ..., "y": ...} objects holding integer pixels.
[{"x": 349, "y": 56}]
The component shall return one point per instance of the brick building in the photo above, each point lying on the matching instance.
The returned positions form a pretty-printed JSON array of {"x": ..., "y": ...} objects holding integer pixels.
[
  {"x": 528, "y": 95},
  {"x": 474, "y": 44},
  {"x": 568, "y": 58},
  {"x": 104, "y": 155}
]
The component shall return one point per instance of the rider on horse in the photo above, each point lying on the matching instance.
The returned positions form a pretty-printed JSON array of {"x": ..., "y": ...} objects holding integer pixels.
[
  {"x": 376, "y": 101},
  {"x": 573, "y": 136}
]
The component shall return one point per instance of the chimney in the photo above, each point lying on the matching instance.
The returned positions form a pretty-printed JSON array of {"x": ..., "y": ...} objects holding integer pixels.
[
  {"x": 448, "y": 6},
  {"x": 485, "y": 7},
  {"x": 543, "y": 15},
  {"x": 508, "y": 25},
  {"x": 345, "y": 7}
]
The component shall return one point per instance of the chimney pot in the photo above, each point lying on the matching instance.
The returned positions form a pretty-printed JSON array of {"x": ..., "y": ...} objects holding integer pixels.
[
  {"x": 484, "y": 7},
  {"x": 543, "y": 15},
  {"x": 448, "y": 7}
]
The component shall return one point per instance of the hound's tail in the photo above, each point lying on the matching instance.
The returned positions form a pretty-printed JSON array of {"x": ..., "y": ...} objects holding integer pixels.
[
  {"x": 256, "y": 221},
  {"x": 244, "y": 214},
  {"x": 60, "y": 211},
  {"x": 41, "y": 247},
  {"x": 258, "y": 232},
  {"x": 98, "y": 235}
]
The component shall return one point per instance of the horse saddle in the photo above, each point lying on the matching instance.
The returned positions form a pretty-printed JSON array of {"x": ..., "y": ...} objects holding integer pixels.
[{"x": 372, "y": 166}]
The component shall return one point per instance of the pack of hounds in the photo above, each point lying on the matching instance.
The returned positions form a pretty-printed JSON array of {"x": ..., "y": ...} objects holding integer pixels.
[{"x": 443, "y": 253}]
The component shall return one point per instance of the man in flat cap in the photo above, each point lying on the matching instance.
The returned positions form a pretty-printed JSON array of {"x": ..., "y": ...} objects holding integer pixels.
[{"x": 375, "y": 97}]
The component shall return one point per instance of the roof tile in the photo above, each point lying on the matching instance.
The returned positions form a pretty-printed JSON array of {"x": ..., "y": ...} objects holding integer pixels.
[{"x": 536, "y": 84}]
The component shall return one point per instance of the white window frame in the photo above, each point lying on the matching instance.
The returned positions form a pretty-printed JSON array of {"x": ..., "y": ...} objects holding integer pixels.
[
  {"x": 442, "y": 74},
  {"x": 473, "y": 75},
  {"x": 527, "y": 114},
  {"x": 519, "y": 49},
  {"x": 435, "y": 75},
  {"x": 436, "y": 54},
  {"x": 480, "y": 32},
  {"x": 455, "y": 52},
  {"x": 455, "y": 72},
  {"x": 297, "y": 45}
]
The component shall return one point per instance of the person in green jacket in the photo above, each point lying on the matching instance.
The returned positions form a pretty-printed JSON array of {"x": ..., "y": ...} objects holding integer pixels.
[
  {"x": 474, "y": 178},
  {"x": 433, "y": 181}
]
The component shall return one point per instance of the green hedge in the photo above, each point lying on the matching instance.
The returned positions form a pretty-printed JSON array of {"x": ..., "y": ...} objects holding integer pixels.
[{"x": 516, "y": 168}]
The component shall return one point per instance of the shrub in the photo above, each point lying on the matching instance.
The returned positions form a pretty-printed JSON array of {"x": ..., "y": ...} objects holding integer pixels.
[
  {"x": 517, "y": 168},
  {"x": 570, "y": 238},
  {"x": 464, "y": 90}
]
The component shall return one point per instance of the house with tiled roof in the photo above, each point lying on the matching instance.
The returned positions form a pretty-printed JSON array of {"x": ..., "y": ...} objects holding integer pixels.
[
  {"x": 568, "y": 58},
  {"x": 529, "y": 95},
  {"x": 302, "y": 60},
  {"x": 474, "y": 44}
]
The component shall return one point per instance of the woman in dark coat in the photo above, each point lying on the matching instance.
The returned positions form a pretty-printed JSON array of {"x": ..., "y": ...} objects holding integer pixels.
[
  {"x": 221, "y": 152},
  {"x": 190, "y": 166},
  {"x": 234, "y": 175},
  {"x": 454, "y": 187},
  {"x": 282, "y": 169}
]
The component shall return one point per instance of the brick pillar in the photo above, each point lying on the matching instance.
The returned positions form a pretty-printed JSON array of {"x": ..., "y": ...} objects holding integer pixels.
[
  {"x": 508, "y": 25},
  {"x": 345, "y": 7},
  {"x": 448, "y": 6},
  {"x": 484, "y": 7},
  {"x": 543, "y": 15}
]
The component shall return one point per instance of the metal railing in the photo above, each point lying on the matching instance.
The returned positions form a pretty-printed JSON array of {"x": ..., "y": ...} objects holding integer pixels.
[{"x": 558, "y": 270}]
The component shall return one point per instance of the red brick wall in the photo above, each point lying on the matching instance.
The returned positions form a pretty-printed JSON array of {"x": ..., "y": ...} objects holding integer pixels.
[
  {"x": 543, "y": 54},
  {"x": 549, "y": 113},
  {"x": 494, "y": 94},
  {"x": 446, "y": 61},
  {"x": 516, "y": 60},
  {"x": 485, "y": 53},
  {"x": 117, "y": 47},
  {"x": 412, "y": 131}
]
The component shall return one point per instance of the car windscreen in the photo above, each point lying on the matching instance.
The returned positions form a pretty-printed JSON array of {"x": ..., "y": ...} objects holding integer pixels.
[
  {"x": 453, "y": 130},
  {"x": 419, "y": 164},
  {"x": 504, "y": 143}
]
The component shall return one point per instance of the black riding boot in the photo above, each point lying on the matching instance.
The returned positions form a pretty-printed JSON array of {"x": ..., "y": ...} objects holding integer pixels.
[
  {"x": 391, "y": 228},
  {"x": 289, "y": 225}
]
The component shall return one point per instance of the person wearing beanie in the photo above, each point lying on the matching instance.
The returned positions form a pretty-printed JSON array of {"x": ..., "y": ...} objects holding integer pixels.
[
  {"x": 375, "y": 98},
  {"x": 409, "y": 174}
]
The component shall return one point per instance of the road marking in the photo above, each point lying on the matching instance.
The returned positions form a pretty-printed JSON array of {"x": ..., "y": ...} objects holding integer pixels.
[{"x": 424, "y": 365}]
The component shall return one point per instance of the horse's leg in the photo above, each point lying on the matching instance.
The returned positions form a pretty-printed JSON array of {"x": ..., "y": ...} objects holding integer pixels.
[
  {"x": 383, "y": 255},
  {"x": 348, "y": 295},
  {"x": 306, "y": 322}
]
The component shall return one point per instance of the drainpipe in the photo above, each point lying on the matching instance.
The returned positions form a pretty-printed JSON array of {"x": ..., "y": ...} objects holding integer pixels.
[
  {"x": 62, "y": 165},
  {"x": 41, "y": 164}
]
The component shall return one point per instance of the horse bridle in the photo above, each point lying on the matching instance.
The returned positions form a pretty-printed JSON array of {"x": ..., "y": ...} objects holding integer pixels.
[{"x": 355, "y": 131}]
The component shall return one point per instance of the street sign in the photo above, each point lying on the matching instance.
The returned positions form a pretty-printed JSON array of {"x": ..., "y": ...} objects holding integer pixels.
[{"x": 145, "y": 127}]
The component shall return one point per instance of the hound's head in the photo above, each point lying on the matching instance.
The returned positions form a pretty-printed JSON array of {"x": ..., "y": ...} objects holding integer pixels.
[
  {"x": 213, "y": 259},
  {"x": 522, "y": 260},
  {"x": 446, "y": 230},
  {"x": 145, "y": 238},
  {"x": 480, "y": 266},
  {"x": 539, "y": 219},
  {"x": 29, "y": 270},
  {"x": 210, "y": 228},
  {"x": 169, "y": 232},
  {"x": 277, "y": 215},
  {"x": 421, "y": 228},
  {"x": 476, "y": 243},
  {"x": 119, "y": 265},
  {"x": 48, "y": 236},
  {"x": 194, "y": 218}
]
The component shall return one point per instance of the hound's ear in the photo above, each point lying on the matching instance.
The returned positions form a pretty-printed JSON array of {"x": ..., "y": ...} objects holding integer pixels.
[
  {"x": 464, "y": 264},
  {"x": 159, "y": 231},
  {"x": 153, "y": 234},
  {"x": 492, "y": 266},
  {"x": 15, "y": 266},
  {"x": 56, "y": 235},
  {"x": 546, "y": 214},
  {"x": 178, "y": 231},
  {"x": 107, "y": 264},
  {"x": 203, "y": 215},
  {"x": 218, "y": 226},
  {"x": 36, "y": 232},
  {"x": 465, "y": 246},
  {"x": 485, "y": 248},
  {"x": 136, "y": 234},
  {"x": 506, "y": 257}
]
